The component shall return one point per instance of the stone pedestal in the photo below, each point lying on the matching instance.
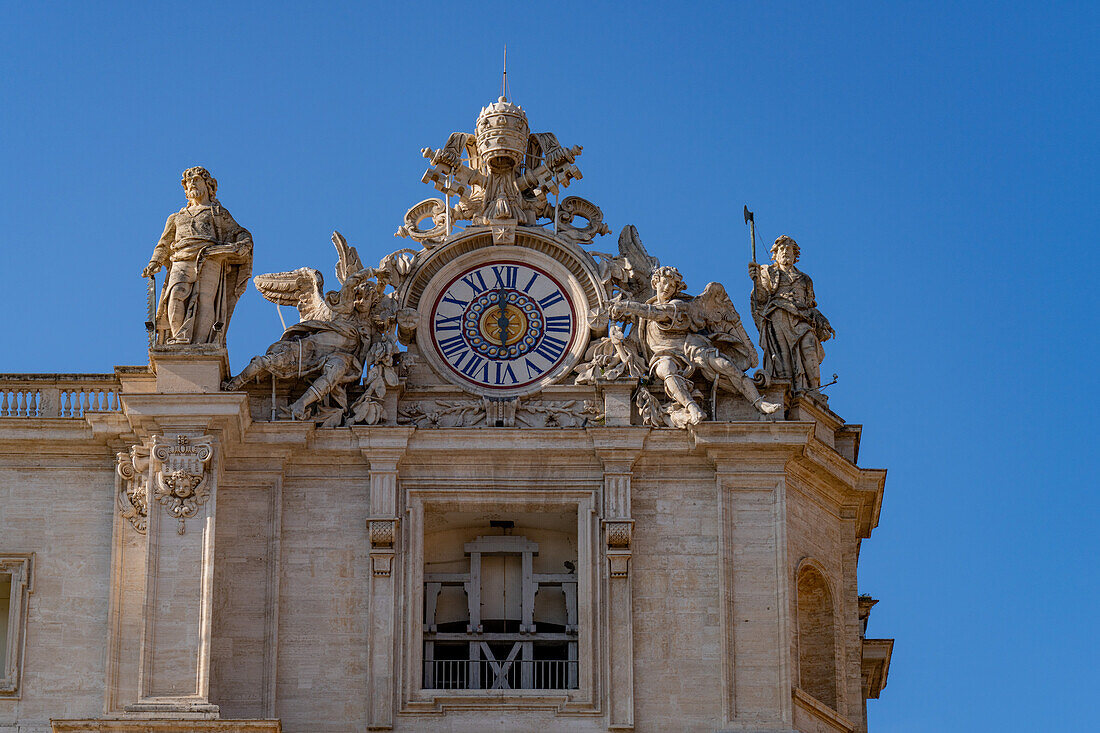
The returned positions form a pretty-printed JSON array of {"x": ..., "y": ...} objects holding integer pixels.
[
  {"x": 189, "y": 368},
  {"x": 616, "y": 401}
]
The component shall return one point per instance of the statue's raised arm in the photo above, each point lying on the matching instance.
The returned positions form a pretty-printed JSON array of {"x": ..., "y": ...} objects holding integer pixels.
[{"x": 681, "y": 335}]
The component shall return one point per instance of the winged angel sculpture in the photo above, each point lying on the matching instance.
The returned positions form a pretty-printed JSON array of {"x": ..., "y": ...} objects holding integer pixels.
[
  {"x": 655, "y": 328},
  {"x": 342, "y": 335}
]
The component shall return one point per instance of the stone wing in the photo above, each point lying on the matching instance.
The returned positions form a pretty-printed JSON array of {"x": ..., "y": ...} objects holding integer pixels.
[
  {"x": 713, "y": 313},
  {"x": 349, "y": 261},
  {"x": 640, "y": 264},
  {"x": 300, "y": 288}
]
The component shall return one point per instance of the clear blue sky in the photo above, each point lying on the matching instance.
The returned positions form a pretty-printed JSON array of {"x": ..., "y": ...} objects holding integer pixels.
[{"x": 937, "y": 164}]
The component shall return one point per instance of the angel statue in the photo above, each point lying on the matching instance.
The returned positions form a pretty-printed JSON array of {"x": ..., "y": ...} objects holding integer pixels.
[
  {"x": 339, "y": 334},
  {"x": 625, "y": 275},
  {"x": 681, "y": 334}
]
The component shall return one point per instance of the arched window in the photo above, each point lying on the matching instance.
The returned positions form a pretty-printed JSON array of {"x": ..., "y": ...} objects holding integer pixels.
[{"x": 816, "y": 636}]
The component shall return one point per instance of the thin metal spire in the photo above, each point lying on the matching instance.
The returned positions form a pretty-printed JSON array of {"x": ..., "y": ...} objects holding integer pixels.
[{"x": 504, "y": 76}]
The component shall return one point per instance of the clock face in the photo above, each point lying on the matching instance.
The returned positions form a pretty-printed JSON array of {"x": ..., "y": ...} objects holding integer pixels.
[{"x": 503, "y": 325}]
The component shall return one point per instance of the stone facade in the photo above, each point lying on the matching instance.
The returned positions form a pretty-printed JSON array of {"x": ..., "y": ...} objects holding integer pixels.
[{"x": 499, "y": 482}]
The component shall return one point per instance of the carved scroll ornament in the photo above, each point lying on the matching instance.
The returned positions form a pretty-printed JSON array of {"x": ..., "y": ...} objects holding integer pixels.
[{"x": 133, "y": 489}]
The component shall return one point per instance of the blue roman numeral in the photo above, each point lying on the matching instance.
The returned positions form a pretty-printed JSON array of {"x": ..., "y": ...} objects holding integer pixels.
[
  {"x": 559, "y": 324},
  {"x": 475, "y": 364},
  {"x": 452, "y": 346},
  {"x": 527, "y": 287},
  {"x": 449, "y": 324},
  {"x": 549, "y": 300},
  {"x": 452, "y": 299},
  {"x": 469, "y": 280},
  {"x": 506, "y": 372},
  {"x": 505, "y": 276},
  {"x": 551, "y": 348}
]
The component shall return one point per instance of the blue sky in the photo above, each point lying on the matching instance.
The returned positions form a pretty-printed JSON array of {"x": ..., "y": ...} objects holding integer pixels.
[{"x": 936, "y": 163}]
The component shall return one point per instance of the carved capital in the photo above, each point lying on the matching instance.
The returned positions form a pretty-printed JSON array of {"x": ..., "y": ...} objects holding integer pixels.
[
  {"x": 381, "y": 564},
  {"x": 181, "y": 475},
  {"x": 619, "y": 563}
]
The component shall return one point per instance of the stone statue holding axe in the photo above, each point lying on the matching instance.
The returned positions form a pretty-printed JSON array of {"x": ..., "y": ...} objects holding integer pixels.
[{"x": 791, "y": 327}]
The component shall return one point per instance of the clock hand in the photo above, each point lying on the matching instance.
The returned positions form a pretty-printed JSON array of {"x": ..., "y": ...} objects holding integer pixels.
[{"x": 502, "y": 319}]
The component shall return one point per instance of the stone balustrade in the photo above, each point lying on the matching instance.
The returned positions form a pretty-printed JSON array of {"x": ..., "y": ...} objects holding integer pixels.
[{"x": 57, "y": 395}]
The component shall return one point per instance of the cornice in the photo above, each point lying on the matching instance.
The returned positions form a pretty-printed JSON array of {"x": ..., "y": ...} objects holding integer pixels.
[
  {"x": 751, "y": 447},
  {"x": 224, "y": 411},
  {"x": 855, "y": 492}
]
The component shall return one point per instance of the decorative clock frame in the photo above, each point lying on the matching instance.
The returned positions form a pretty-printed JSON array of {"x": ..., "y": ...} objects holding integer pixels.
[{"x": 564, "y": 272}]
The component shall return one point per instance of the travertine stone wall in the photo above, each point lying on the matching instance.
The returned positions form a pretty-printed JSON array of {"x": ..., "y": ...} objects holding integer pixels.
[
  {"x": 323, "y": 590},
  {"x": 245, "y": 598},
  {"x": 58, "y": 503},
  {"x": 677, "y": 613},
  {"x": 711, "y": 602},
  {"x": 819, "y": 537}
]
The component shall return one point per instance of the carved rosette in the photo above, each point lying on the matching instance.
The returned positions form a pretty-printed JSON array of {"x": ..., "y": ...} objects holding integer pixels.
[
  {"x": 132, "y": 490},
  {"x": 181, "y": 482}
]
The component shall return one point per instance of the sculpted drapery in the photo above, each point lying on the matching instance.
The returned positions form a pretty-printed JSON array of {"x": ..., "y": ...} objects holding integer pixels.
[
  {"x": 791, "y": 327},
  {"x": 208, "y": 261}
]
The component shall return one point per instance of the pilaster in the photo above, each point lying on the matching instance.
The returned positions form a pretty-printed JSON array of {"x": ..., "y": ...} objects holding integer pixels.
[
  {"x": 750, "y": 478},
  {"x": 173, "y": 474},
  {"x": 618, "y": 449},
  {"x": 174, "y": 671},
  {"x": 383, "y": 448}
]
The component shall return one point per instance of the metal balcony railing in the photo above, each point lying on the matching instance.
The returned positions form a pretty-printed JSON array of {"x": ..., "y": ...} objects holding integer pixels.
[{"x": 485, "y": 674}]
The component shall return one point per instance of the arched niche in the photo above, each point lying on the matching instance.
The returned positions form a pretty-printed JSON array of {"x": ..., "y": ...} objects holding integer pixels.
[{"x": 816, "y": 636}]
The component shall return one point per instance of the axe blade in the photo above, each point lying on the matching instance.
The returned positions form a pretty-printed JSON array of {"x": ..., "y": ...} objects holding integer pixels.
[{"x": 748, "y": 215}]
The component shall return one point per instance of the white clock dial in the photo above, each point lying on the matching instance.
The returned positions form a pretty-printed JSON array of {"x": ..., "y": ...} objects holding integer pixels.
[{"x": 509, "y": 347}]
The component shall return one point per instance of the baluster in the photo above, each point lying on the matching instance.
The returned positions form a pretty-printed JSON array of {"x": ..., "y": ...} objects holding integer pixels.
[
  {"x": 66, "y": 405},
  {"x": 114, "y": 401},
  {"x": 36, "y": 398},
  {"x": 21, "y": 410},
  {"x": 98, "y": 401},
  {"x": 3, "y": 403},
  {"x": 87, "y": 403}
]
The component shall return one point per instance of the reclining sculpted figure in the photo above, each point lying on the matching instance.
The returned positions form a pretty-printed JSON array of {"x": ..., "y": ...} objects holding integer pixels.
[{"x": 340, "y": 333}]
